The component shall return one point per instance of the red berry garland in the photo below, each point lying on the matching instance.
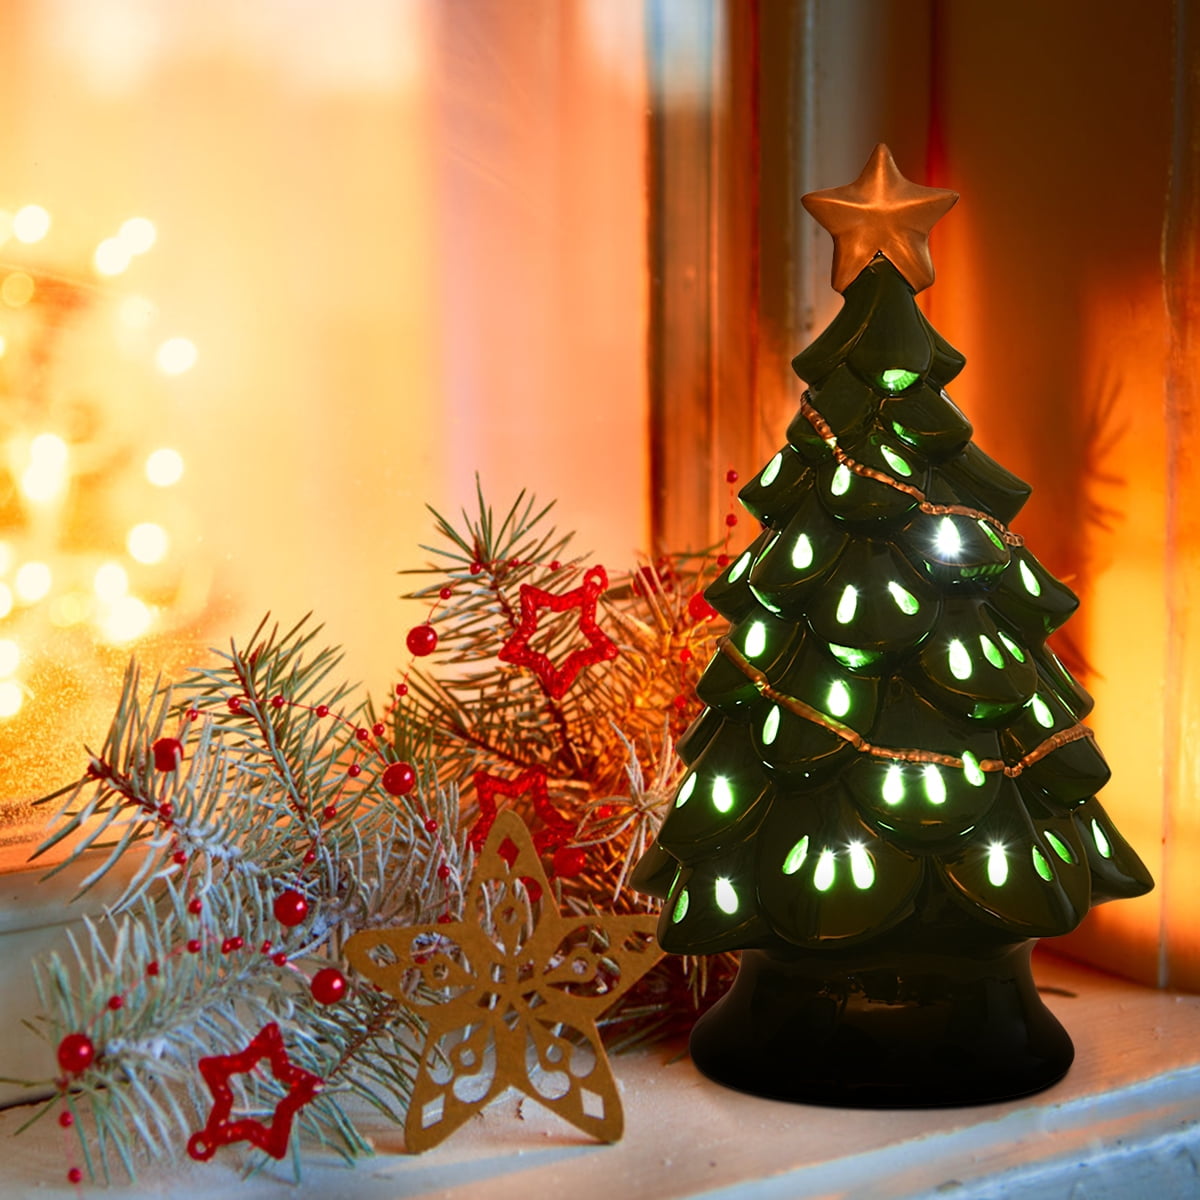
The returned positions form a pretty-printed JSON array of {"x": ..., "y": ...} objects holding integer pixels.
[
  {"x": 399, "y": 778},
  {"x": 422, "y": 640},
  {"x": 168, "y": 754},
  {"x": 76, "y": 1052},
  {"x": 290, "y": 908},
  {"x": 328, "y": 985}
]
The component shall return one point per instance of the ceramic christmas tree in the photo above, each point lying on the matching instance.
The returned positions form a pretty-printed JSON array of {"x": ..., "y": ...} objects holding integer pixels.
[{"x": 889, "y": 793}]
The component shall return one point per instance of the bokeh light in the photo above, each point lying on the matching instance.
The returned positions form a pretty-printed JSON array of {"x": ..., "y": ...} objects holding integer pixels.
[
  {"x": 136, "y": 312},
  {"x": 34, "y": 580},
  {"x": 10, "y": 657},
  {"x": 72, "y": 609},
  {"x": 30, "y": 224},
  {"x": 176, "y": 355},
  {"x": 164, "y": 467},
  {"x": 11, "y": 698},
  {"x": 17, "y": 289},
  {"x": 138, "y": 234},
  {"x": 112, "y": 257},
  {"x": 110, "y": 581},
  {"x": 46, "y": 475},
  {"x": 128, "y": 618},
  {"x": 6, "y": 600},
  {"x": 147, "y": 542}
]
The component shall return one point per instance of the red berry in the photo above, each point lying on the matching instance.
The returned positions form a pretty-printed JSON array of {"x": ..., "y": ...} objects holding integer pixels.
[
  {"x": 685, "y": 655},
  {"x": 722, "y": 560},
  {"x": 445, "y": 919},
  {"x": 65, "y": 1119},
  {"x": 731, "y": 519},
  {"x": 168, "y": 753},
  {"x": 475, "y": 568},
  {"x": 731, "y": 476},
  {"x": 234, "y": 704},
  {"x": 680, "y": 703},
  {"x": 402, "y": 689},
  {"x": 700, "y": 608},
  {"x": 290, "y": 908},
  {"x": 361, "y": 734},
  {"x": 193, "y": 714},
  {"x": 115, "y": 1003},
  {"x": 354, "y": 770},
  {"x": 555, "y": 565},
  {"x": 195, "y": 905},
  {"x": 569, "y": 861},
  {"x": 179, "y": 858},
  {"x": 265, "y": 948},
  {"x": 166, "y": 811},
  {"x": 322, "y": 710},
  {"x": 445, "y": 593},
  {"x": 193, "y": 945},
  {"x": 74, "y": 1175},
  {"x": 310, "y": 857},
  {"x": 399, "y": 778},
  {"x": 280, "y": 960},
  {"x": 422, "y": 640},
  {"x": 329, "y": 812},
  {"x": 604, "y": 812},
  {"x": 379, "y": 729},
  {"x": 76, "y": 1053},
  {"x": 152, "y": 968},
  {"x": 443, "y": 872},
  {"x": 328, "y": 985},
  {"x": 277, "y": 701},
  {"x": 431, "y": 826},
  {"x": 231, "y": 944}
]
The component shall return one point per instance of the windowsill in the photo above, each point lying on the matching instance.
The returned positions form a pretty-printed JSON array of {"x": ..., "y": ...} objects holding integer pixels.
[{"x": 1125, "y": 1122}]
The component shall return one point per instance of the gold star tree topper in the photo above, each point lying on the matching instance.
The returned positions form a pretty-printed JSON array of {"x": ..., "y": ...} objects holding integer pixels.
[
  {"x": 881, "y": 212},
  {"x": 510, "y": 995}
]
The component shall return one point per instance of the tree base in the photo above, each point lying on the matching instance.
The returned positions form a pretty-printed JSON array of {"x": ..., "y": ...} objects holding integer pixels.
[{"x": 876, "y": 1028}]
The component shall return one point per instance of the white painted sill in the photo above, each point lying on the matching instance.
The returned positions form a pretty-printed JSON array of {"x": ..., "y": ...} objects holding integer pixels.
[{"x": 1123, "y": 1125}]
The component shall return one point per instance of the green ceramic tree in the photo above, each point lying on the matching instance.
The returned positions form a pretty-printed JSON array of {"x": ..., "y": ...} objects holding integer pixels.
[{"x": 890, "y": 792}]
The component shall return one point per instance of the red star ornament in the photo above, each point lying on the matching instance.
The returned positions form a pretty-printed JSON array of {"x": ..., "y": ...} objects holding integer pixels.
[
  {"x": 510, "y": 995},
  {"x": 220, "y": 1130},
  {"x": 556, "y": 831},
  {"x": 556, "y": 680}
]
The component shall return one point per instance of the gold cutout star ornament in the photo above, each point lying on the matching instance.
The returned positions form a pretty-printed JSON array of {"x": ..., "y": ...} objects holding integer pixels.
[
  {"x": 510, "y": 995},
  {"x": 881, "y": 212}
]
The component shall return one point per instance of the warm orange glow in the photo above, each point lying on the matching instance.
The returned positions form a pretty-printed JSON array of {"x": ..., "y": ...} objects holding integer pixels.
[{"x": 443, "y": 274}]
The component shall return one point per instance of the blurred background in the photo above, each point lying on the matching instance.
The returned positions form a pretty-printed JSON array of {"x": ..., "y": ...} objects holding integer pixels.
[{"x": 275, "y": 276}]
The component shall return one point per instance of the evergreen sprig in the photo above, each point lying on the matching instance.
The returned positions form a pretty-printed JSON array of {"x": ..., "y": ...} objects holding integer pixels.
[{"x": 261, "y": 774}]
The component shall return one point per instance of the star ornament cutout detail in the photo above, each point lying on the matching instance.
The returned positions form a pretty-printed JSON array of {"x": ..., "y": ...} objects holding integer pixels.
[
  {"x": 273, "y": 1138},
  {"x": 881, "y": 212},
  {"x": 510, "y": 995},
  {"x": 555, "y": 680}
]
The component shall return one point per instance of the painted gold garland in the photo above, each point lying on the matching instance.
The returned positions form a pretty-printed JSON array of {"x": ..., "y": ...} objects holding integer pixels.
[
  {"x": 825, "y": 432},
  {"x": 802, "y": 709}
]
